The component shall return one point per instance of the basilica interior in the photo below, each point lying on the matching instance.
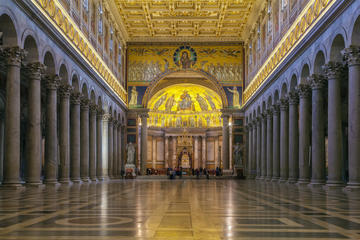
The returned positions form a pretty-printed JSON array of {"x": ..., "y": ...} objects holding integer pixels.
[{"x": 179, "y": 119}]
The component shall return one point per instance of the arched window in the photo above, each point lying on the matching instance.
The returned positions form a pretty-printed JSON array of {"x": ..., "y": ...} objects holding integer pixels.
[
  {"x": 86, "y": 5},
  {"x": 100, "y": 22}
]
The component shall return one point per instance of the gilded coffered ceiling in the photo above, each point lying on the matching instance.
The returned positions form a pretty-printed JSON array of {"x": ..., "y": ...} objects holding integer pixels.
[{"x": 184, "y": 20}]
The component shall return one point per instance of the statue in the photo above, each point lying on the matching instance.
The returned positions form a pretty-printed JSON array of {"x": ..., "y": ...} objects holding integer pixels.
[
  {"x": 236, "y": 97},
  {"x": 238, "y": 154},
  {"x": 134, "y": 96},
  {"x": 202, "y": 102},
  {"x": 169, "y": 103},
  {"x": 130, "y": 154},
  {"x": 160, "y": 102}
]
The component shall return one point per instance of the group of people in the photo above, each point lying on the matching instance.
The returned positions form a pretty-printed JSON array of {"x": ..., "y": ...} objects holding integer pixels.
[{"x": 198, "y": 172}]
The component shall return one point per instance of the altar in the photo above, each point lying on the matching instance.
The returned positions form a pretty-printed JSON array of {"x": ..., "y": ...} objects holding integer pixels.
[{"x": 184, "y": 151}]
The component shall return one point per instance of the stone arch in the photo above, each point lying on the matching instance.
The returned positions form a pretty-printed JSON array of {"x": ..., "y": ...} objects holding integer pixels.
[
  {"x": 284, "y": 90},
  {"x": 276, "y": 96},
  {"x": 8, "y": 27},
  {"x": 75, "y": 82},
  {"x": 293, "y": 82},
  {"x": 216, "y": 86},
  {"x": 269, "y": 101},
  {"x": 319, "y": 61},
  {"x": 92, "y": 97},
  {"x": 337, "y": 45},
  {"x": 31, "y": 47},
  {"x": 305, "y": 73},
  {"x": 49, "y": 62},
  {"x": 84, "y": 90},
  {"x": 99, "y": 102},
  {"x": 64, "y": 74},
  {"x": 355, "y": 30},
  {"x": 263, "y": 106}
]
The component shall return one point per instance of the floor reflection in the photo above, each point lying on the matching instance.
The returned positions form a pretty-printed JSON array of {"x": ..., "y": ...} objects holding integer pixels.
[{"x": 179, "y": 209}]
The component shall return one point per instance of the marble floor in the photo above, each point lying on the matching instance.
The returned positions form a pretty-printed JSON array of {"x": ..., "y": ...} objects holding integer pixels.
[{"x": 179, "y": 209}]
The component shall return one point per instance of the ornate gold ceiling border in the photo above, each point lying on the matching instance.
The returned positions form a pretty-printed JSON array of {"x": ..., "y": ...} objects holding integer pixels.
[
  {"x": 307, "y": 19},
  {"x": 61, "y": 20}
]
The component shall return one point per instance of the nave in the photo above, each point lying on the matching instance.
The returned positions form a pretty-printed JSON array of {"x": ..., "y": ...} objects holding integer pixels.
[{"x": 179, "y": 209}]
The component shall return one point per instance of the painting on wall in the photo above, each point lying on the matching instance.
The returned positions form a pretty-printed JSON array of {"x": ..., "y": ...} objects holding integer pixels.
[
  {"x": 135, "y": 95},
  {"x": 234, "y": 96},
  {"x": 148, "y": 62}
]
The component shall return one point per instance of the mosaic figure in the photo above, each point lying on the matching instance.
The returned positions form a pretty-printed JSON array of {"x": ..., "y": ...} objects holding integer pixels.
[
  {"x": 236, "y": 97},
  {"x": 202, "y": 102},
  {"x": 134, "y": 96}
]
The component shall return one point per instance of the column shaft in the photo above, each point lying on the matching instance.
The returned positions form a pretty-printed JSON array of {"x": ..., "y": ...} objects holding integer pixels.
[
  {"x": 12, "y": 117},
  {"x": 276, "y": 143},
  {"x": 51, "y": 130},
  {"x": 119, "y": 144},
  {"x": 92, "y": 142},
  {"x": 105, "y": 146},
  {"x": 75, "y": 138},
  {"x": 258, "y": 148},
  {"x": 304, "y": 133},
  {"x": 99, "y": 139},
  {"x": 154, "y": 152},
  {"x": 293, "y": 137},
  {"x": 269, "y": 145},
  {"x": 203, "y": 152},
  {"x": 144, "y": 118},
  {"x": 166, "y": 152},
  {"x": 225, "y": 141},
  {"x": 84, "y": 139},
  {"x": 263, "y": 147},
  {"x": 318, "y": 131},
  {"x": 284, "y": 141},
  {"x": 34, "y": 124},
  {"x": 110, "y": 148},
  {"x": 115, "y": 149},
  {"x": 250, "y": 155},
  {"x": 352, "y": 55},
  {"x": 254, "y": 150},
  {"x": 64, "y": 133}
]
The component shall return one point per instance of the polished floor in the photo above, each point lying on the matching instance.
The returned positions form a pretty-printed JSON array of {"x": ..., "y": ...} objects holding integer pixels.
[{"x": 179, "y": 209}]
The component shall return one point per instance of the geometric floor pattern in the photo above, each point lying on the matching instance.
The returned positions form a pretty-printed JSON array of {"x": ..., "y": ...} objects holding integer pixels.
[{"x": 179, "y": 209}]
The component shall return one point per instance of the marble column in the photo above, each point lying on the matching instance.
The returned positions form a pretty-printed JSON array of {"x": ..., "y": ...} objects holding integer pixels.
[
  {"x": 105, "y": 146},
  {"x": 258, "y": 148},
  {"x": 119, "y": 151},
  {"x": 13, "y": 57},
  {"x": 115, "y": 149},
  {"x": 304, "y": 91},
  {"x": 352, "y": 56},
  {"x": 196, "y": 152},
  {"x": 122, "y": 137},
  {"x": 110, "y": 147},
  {"x": 34, "y": 136},
  {"x": 335, "y": 154},
  {"x": 166, "y": 150},
  {"x": 217, "y": 164},
  {"x": 249, "y": 156},
  {"x": 2, "y": 142},
  {"x": 154, "y": 152},
  {"x": 225, "y": 141},
  {"x": 52, "y": 83},
  {"x": 254, "y": 150},
  {"x": 284, "y": 140},
  {"x": 276, "y": 143},
  {"x": 263, "y": 146},
  {"x": 92, "y": 142},
  {"x": 269, "y": 145},
  {"x": 318, "y": 130},
  {"x": 84, "y": 139},
  {"x": 203, "y": 152},
  {"x": 143, "y": 154},
  {"x": 64, "y": 133},
  {"x": 99, "y": 146},
  {"x": 293, "y": 137},
  {"x": 174, "y": 163},
  {"x": 75, "y": 137}
]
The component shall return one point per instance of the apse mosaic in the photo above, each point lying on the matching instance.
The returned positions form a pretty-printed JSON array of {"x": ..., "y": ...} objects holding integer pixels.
[
  {"x": 185, "y": 105},
  {"x": 147, "y": 62}
]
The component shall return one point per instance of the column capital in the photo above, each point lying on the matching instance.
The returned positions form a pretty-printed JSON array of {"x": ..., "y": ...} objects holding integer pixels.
[
  {"x": 75, "y": 98},
  {"x": 317, "y": 81},
  {"x": 352, "y": 55},
  {"x": 106, "y": 117},
  {"x": 269, "y": 113},
  {"x": 116, "y": 123},
  {"x": 52, "y": 82},
  {"x": 276, "y": 108},
  {"x": 65, "y": 90},
  {"x": 293, "y": 98},
  {"x": 284, "y": 104},
  {"x": 35, "y": 69},
  {"x": 226, "y": 112},
  {"x": 304, "y": 90},
  {"x": 264, "y": 116},
  {"x": 333, "y": 70},
  {"x": 93, "y": 108},
  {"x": 99, "y": 112},
  {"x": 84, "y": 103},
  {"x": 13, "y": 55}
]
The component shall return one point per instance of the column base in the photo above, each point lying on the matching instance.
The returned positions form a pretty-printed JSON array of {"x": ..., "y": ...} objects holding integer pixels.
[
  {"x": 334, "y": 185},
  {"x": 303, "y": 181},
  {"x": 283, "y": 180},
  {"x": 85, "y": 179},
  {"x": 76, "y": 180},
  {"x": 352, "y": 186},
  {"x": 317, "y": 182},
  {"x": 262, "y": 178},
  {"x": 93, "y": 179},
  {"x": 51, "y": 181},
  {"x": 65, "y": 181},
  {"x": 275, "y": 179},
  {"x": 34, "y": 184},
  {"x": 268, "y": 179},
  {"x": 292, "y": 180},
  {"x": 12, "y": 186}
]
